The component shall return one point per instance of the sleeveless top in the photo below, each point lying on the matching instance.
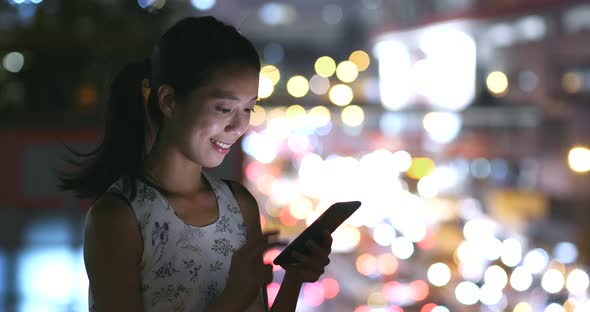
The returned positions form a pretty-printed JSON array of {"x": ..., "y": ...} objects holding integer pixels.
[{"x": 183, "y": 267}]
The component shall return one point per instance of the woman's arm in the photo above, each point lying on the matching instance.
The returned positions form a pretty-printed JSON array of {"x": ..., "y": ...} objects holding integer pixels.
[
  {"x": 308, "y": 269},
  {"x": 112, "y": 252}
]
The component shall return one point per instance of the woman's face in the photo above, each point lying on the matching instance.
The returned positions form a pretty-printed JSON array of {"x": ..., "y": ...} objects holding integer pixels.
[{"x": 215, "y": 116}]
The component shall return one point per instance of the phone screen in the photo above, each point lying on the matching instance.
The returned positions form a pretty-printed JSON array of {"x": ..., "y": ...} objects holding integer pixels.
[{"x": 330, "y": 220}]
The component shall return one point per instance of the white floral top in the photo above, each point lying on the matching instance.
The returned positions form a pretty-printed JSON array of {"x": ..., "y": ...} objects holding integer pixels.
[{"x": 183, "y": 267}]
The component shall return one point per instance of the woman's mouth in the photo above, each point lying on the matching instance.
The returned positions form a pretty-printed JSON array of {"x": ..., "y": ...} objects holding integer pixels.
[{"x": 221, "y": 146}]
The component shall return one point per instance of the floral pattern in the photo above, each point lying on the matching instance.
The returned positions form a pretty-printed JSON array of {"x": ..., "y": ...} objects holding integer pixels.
[{"x": 203, "y": 253}]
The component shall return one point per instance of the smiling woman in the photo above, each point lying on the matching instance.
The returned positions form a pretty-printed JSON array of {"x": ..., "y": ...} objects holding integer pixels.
[{"x": 163, "y": 235}]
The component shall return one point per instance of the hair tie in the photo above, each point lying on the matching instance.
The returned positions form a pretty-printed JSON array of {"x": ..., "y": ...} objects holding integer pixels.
[{"x": 145, "y": 90}]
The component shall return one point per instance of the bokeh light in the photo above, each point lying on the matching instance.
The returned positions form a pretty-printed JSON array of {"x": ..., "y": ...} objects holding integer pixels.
[
  {"x": 346, "y": 71},
  {"x": 523, "y": 307},
  {"x": 265, "y": 87},
  {"x": 203, "y": 5},
  {"x": 271, "y": 72},
  {"x": 297, "y": 86},
  {"x": 467, "y": 293},
  {"x": 387, "y": 264},
  {"x": 13, "y": 62},
  {"x": 579, "y": 159},
  {"x": 319, "y": 85},
  {"x": 353, "y": 115},
  {"x": 439, "y": 274},
  {"x": 341, "y": 94},
  {"x": 497, "y": 83},
  {"x": 577, "y": 282},
  {"x": 552, "y": 281},
  {"x": 360, "y": 59},
  {"x": 521, "y": 278},
  {"x": 325, "y": 66}
]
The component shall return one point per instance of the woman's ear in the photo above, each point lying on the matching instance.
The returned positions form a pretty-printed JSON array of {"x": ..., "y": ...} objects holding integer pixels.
[{"x": 166, "y": 100}]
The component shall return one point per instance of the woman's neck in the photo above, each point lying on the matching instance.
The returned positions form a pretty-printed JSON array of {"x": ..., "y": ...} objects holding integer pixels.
[{"x": 171, "y": 171}]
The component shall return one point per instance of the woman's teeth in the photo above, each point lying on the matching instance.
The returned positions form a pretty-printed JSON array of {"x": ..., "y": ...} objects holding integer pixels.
[{"x": 220, "y": 144}]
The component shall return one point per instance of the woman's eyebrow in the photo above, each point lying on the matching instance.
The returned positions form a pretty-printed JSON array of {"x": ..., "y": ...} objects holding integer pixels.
[{"x": 220, "y": 94}]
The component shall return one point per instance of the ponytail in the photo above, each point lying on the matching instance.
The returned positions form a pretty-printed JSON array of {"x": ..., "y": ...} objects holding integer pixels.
[{"x": 123, "y": 145}]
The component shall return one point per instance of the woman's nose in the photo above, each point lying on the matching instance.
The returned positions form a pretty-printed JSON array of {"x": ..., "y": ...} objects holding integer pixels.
[{"x": 238, "y": 124}]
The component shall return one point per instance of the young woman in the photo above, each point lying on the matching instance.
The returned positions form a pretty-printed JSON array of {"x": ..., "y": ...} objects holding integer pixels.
[{"x": 163, "y": 235}]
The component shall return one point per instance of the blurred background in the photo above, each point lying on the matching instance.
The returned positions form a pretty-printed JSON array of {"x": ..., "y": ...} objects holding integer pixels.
[{"x": 461, "y": 125}]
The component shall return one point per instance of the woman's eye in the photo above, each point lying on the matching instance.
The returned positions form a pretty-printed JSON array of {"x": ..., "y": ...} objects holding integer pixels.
[
  {"x": 223, "y": 109},
  {"x": 250, "y": 110}
]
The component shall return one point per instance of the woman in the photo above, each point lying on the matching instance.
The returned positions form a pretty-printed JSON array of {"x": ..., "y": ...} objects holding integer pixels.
[{"x": 163, "y": 235}]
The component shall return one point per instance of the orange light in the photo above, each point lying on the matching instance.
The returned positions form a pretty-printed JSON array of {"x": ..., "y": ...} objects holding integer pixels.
[
  {"x": 286, "y": 218},
  {"x": 387, "y": 264},
  {"x": 366, "y": 264}
]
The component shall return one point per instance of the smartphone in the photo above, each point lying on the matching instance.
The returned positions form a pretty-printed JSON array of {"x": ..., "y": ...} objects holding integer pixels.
[{"x": 329, "y": 220}]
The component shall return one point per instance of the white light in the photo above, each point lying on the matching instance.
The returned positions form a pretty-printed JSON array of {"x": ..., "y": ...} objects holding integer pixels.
[
  {"x": 13, "y": 62},
  {"x": 501, "y": 34},
  {"x": 273, "y": 13},
  {"x": 394, "y": 68},
  {"x": 260, "y": 147},
  {"x": 536, "y": 260},
  {"x": 447, "y": 76},
  {"x": 583, "y": 307},
  {"x": 490, "y": 295},
  {"x": 480, "y": 229},
  {"x": 428, "y": 187},
  {"x": 552, "y": 281},
  {"x": 577, "y": 282},
  {"x": 521, "y": 279},
  {"x": 403, "y": 160},
  {"x": 439, "y": 274},
  {"x": 442, "y": 127},
  {"x": 402, "y": 247},
  {"x": 384, "y": 234},
  {"x": 565, "y": 252},
  {"x": 531, "y": 27},
  {"x": 47, "y": 274},
  {"x": 496, "y": 277},
  {"x": 440, "y": 309},
  {"x": 203, "y": 5},
  {"x": 511, "y": 252},
  {"x": 554, "y": 307},
  {"x": 467, "y": 293}
]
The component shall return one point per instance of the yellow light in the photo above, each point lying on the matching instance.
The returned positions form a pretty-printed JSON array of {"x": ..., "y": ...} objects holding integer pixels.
[
  {"x": 523, "y": 307},
  {"x": 271, "y": 72},
  {"x": 421, "y": 167},
  {"x": 320, "y": 116},
  {"x": 277, "y": 112},
  {"x": 325, "y": 66},
  {"x": 258, "y": 117},
  {"x": 300, "y": 208},
  {"x": 297, "y": 86},
  {"x": 294, "y": 111},
  {"x": 360, "y": 59},
  {"x": 497, "y": 83},
  {"x": 579, "y": 159},
  {"x": 265, "y": 87},
  {"x": 353, "y": 116},
  {"x": 572, "y": 82},
  {"x": 341, "y": 95},
  {"x": 347, "y": 71}
]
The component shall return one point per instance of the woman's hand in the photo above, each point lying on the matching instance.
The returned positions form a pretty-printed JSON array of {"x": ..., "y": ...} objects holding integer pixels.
[
  {"x": 309, "y": 268},
  {"x": 247, "y": 275}
]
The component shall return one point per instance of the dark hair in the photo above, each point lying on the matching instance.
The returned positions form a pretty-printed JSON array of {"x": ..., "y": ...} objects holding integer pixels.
[{"x": 186, "y": 57}]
